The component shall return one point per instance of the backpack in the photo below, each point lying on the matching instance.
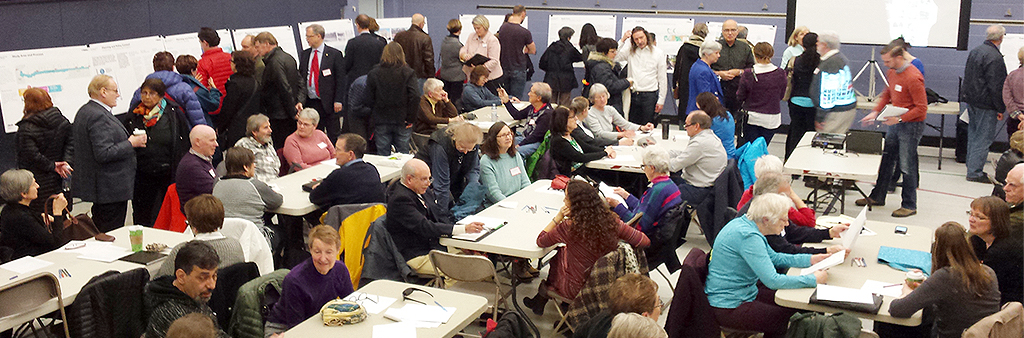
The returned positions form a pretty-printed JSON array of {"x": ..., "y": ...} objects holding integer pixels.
[{"x": 817, "y": 325}]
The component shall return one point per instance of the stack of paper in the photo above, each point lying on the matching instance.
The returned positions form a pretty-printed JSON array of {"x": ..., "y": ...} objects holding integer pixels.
[
  {"x": 25, "y": 264},
  {"x": 101, "y": 251},
  {"x": 608, "y": 191},
  {"x": 883, "y": 288},
  {"x": 420, "y": 315},
  {"x": 833, "y": 260},
  {"x": 841, "y": 294},
  {"x": 373, "y": 304}
]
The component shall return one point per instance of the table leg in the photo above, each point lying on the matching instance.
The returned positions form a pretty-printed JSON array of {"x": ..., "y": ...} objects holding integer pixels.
[
  {"x": 515, "y": 303},
  {"x": 942, "y": 134}
]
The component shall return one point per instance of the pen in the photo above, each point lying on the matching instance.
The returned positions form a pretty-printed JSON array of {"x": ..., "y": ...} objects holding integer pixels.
[
  {"x": 12, "y": 277},
  {"x": 892, "y": 285},
  {"x": 442, "y": 307}
]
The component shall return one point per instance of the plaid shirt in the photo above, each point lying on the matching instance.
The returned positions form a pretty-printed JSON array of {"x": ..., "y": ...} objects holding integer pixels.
[
  {"x": 606, "y": 270},
  {"x": 268, "y": 164}
]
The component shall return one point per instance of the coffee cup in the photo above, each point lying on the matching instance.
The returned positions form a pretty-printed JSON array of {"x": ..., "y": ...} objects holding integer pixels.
[
  {"x": 138, "y": 132},
  {"x": 135, "y": 234},
  {"x": 914, "y": 278}
]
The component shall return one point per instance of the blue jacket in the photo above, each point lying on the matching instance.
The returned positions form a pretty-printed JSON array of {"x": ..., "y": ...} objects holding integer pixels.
[
  {"x": 209, "y": 99},
  {"x": 181, "y": 93},
  {"x": 725, "y": 129},
  {"x": 702, "y": 79},
  {"x": 475, "y": 97}
]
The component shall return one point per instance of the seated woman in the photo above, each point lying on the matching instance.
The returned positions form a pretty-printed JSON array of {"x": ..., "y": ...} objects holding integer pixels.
[
  {"x": 960, "y": 291},
  {"x": 474, "y": 94},
  {"x": 604, "y": 119},
  {"x": 435, "y": 108},
  {"x": 632, "y": 325},
  {"x": 308, "y": 146},
  {"x": 776, "y": 183},
  {"x": 24, "y": 230},
  {"x": 662, "y": 196},
  {"x": 742, "y": 258},
  {"x": 205, "y": 216},
  {"x": 997, "y": 246},
  {"x": 632, "y": 293},
  {"x": 312, "y": 283},
  {"x": 589, "y": 231},
  {"x": 799, "y": 214},
  {"x": 580, "y": 107},
  {"x": 454, "y": 162},
  {"x": 721, "y": 121},
  {"x": 243, "y": 195},
  {"x": 569, "y": 155},
  {"x": 502, "y": 172}
]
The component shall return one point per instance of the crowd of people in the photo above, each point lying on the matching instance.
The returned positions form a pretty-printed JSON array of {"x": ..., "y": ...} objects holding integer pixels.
[{"x": 259, "y": 113}]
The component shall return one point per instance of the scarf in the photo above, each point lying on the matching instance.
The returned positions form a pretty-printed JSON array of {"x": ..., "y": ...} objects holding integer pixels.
[
  {"x": 601, "y": 57},
  {"x": 153, "y": 115}
]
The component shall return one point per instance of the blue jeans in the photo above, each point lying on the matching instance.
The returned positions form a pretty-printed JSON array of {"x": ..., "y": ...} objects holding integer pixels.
[
  {"x": 641, "y": 107},
  {"x": 900, "y": 149},
  {"x": 528, "y": 149},
  {"x": 981, "y": 130},
  {"x": 388, "y": 135},
  {"x": 515, "y": 83}
]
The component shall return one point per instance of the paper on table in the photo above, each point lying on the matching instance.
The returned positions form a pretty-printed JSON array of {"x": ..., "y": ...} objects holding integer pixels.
[
  {"x": 622, "y": 158},
  {"x": 850, "y": 235},
  {"x": 883, "y": 288},
  {"x": 25, "y": 264},
  {"x": 413, "y": 312},
  {"x": 608, "y": 191},
  {"x": 891, "y": 111},
  {"x": 833, "y": 260},
  {"x": 331, "y": 162},
  {"x": 841, "y": 294},
  {"x": 833, "y": 220},
  {"x": 508, "y": 204},
  {"x": 394, "y": 330},
  {"x": 490, "y": 224},
  {"x": 373, "y": 304},
  {"x": 103, "y": 252}
]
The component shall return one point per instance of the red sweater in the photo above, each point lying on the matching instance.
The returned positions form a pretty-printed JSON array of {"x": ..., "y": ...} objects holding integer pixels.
[
  {"x": 215, "y": 64},
  {"x": 802, "y": 217},
  {"x": 570, "y": 267},
  {"x": 906, "y": 90}
]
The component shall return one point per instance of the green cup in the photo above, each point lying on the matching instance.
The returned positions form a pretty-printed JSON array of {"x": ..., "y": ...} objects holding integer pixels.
[{"x": 135, "y": 234}]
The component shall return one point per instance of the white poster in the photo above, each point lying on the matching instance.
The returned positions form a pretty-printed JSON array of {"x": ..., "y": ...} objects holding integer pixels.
[
  {"x": 495, "y": 22},
  {"x": 64, "y": 72},
  {"x": 188, "y": 43},
  {"x": 755, "y": 32},
  {"x": 285, "y": 36},
  {"x": 336, "y": 33},
  {"x": 1010, "y": 46},
  {"x": 604, "y": 24},
  {"x": 391, "y": 26},
  {"x": 669, "y": 33},
  {"x": 128, "y": 61}
]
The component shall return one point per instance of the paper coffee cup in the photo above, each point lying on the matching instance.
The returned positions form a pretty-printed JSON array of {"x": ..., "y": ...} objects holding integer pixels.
[
  {"x": 914, "y": 277},
  {"x": 135, "y": 235},
  {"x": 139, "y": 132}
]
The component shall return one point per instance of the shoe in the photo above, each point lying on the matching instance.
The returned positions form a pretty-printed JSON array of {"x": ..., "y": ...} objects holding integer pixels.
[
  {"x": 527, "y": 273},
  {"x": 904, "y": 212},
  {"x": 864, "y": 201},
  {"x": 981, "y": 179},
  {"x": 536, "y": 304}
]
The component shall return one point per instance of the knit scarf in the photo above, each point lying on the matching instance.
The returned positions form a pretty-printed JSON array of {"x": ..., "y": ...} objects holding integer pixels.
[{"x": 151, "y": 116}]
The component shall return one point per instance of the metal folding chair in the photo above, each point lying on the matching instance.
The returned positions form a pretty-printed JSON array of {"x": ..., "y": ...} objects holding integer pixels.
[
  {"x": 27, "y": 295},
  {"x": 475, "y": 275}
]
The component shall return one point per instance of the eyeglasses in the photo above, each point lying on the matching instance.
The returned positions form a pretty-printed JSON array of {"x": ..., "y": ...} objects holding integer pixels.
[
  {"x": 688, "y": 125},
  {"x": 979, "y": 216}
]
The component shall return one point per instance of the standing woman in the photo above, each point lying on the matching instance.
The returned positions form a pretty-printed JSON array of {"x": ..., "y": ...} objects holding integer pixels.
[
  {"x": 240, "y": 99},
  {"x": 997, "y": 244},
  {"x": 688, "y": 53},
  {"x": 761, "y": 89},
  {"x": 722, "y": 122},
  {"x": 486, "y": 44},
  {"x": 451, "y": 67},
  {"x": 588, "y": 40},
  {"x": 557, "y": 65},
  {"x": 795, "y": 48},
  {"x": 801, "y": 109},
  {"x": 44, "y": 144},
  {"x": 502, "y": 172},
  {"x": 392, "y": 85}
]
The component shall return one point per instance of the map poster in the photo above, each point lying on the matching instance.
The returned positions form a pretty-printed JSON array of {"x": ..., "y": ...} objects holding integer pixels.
[
  {"x": 64, "y": 72},
  {"x": 188, "y": 43},
  {"x": 128, "y": 62},
  {"x": 285, "y": 36},
  {"x": 391, "y": 26},
  {"x": 336, "y": 33}
]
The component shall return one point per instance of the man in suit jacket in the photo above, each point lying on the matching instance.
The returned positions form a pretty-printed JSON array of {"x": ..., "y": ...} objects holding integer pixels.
[
  {"x": 364, "y": 50},
  {"x": 412, "y": 217},
  {"x": 355, "y": 181},
  {"x": 419, "y": 50},
  {"x": 281, "y": 89},
  {"x": 104, "y": 156},
  {"x": 325, "y": 81}
]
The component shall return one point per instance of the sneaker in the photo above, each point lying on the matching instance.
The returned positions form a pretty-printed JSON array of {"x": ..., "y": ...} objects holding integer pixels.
[
  {"x": 904, "y": 212},
  {"x": 864, "y": 201},
  {"x": 980, "y": 179}
]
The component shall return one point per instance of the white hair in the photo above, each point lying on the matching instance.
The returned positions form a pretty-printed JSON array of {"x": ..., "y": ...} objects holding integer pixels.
[
  {"x": 767, "y": 163},
  {"x": 432, "y": 85},
  {"x": 658, "y": 158},
  {"x": 1019, "y": 168},
  {"x": 774, "y": 207},
  {"x": 633, "y": 325},
  {"x": 995, "y": 32},
  {"x": 710, "y": 46},
  {"x": 13, "y": 183},
  {"x": 596, "y": 89},
  {"x": 310, "y": 114},
  {"x": 830, "y": 38}
]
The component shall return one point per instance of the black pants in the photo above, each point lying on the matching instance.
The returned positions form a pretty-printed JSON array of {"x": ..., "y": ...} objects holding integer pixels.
[
  {"x": 329, "y": 122},
  {"x": 801, "y": 121},
  {"x": 281, "y": 129},
  {"x": 148, "y": 197},
  {"x": 642, "y": 106},
  {"x": 454, "y": 89},
  {"x": 109, "y": 216}
]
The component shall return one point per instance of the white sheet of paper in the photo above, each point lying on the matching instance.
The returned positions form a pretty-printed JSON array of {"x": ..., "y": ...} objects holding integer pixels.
[
  {"x": 833, "y": 260},
  {"x": 394, "y": 330},
  {"x": 103, "y": 252},
  {"x": 850, "y": 235},
  {"x": 373, "y": 304},
  {"x": 25, "y": 264},
  {"x": 508, "y": 204},
  {"x": 891, "y": 111},
  {"x": 622, "y": 158},
  {"x": 489, "y": 222},
  {"x": 833, "y": 220},
  {"x": 608, "y": 191},
  {"x": 883, "y": 288},
  {"x": 841, "y": 294},
  {"x": 414, "y": 312}
]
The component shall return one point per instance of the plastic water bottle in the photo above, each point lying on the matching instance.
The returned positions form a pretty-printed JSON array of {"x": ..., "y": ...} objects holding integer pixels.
[{"x": 494, "y": 113}]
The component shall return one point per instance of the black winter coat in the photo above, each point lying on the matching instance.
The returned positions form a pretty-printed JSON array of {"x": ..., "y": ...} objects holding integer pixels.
[
  {"x": 146, "y": 158},
  {"x": 394, "y": 94},
  {"x": 600, "y": 70},
  {"x": 110, "y": 305},
  {"x": 687, "y": 55},
  {"x": 44, "y": 138},
  {"x": 984, "y": 75},
  {"x": 557, "y": 64},
  {"x": 281, "y": 86},
  {"x": 236, "y": 108}
]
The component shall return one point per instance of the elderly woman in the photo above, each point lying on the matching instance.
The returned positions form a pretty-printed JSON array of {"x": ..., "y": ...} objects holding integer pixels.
[
  {"x": 568, "y": 154},
  {"x": 205, "y": 215},
  {"x": 688, "y": 53},
  {"x": 483, "y": 43},
  {"x": 799, "y": 214},
  {"x": 580, "y": 107},
  {"x": 997, "y": 244},
  {"x": 795, "y": 235},
  {"x": 742, "y": 258},
  {"x": 243, "y": 195},
  {"x": 660, "y": 197},
  {"x": 801, "y": 108},
  {"x": 308, "y": 146},
  {"x": 435, "y": 108},
  {"x": 632, "y": 325},
  {"x": 474, "y": 94},
  {"x": 167, "y": 129},
  {"x": 604, "y": 120},
  {"x": 454, "y": 161},
  {"x": 451, "y": 67},
  {"x": 631, "y": 293},
  {"x": 795, "y": 47},
  {"x": 702, "y": 78},
  {"x": 25, "y": 230},
  {"x": 537, "y": 114},
  {"x": 260, "y": 143},
  {"x": 1013, "y": 95},
  {"x": 502, "y": 172},
  {"x": 589, "y": 231},
  {"x": 761, "y": 89},
  {"x": 557, "y": 63},
  {"x": 44, "y": 144},
  {"x": 392, "y": 85},
  {"x": 312, "y": 283},
  {"x": 240, "y": 99},
  {"x": 601, "y": 68}
]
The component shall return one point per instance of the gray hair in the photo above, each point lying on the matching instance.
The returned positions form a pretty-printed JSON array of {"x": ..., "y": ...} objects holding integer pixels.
[
  {"x": 253, "y": 123},
  {"x": 771, "y": 206},
  {"x": 317, "y": 29},
  {"x": 710, "y": 46},
  {"x": 310, "y": 114},
  {"x": 411, "y": 166},
  {"x": 596, "y": 89},
  {"x": 482, "y": 21},
  {"x": 767, "y": 163},
  {"x": 633, "y": 325},
  {"x": 432, "y": 85},
  {"x": 995, "y": 32},
  {"x": 15, "y": 182},
  {"x": 658, "y": 158},
  {"x": 770, "y": 182},
  {"x": 1018, "y": 168},
  {"x": 830, "y": 39},
  {"x": 543, "y": 90}
]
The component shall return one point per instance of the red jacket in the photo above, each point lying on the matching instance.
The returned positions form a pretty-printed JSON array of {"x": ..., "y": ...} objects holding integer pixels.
[{"x": 216, "y": 64}]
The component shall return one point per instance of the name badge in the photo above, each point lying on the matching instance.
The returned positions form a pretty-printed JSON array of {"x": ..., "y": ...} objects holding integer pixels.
[
  {"x": 515, "y": 171},
  {"x": 327, "y": 72},
  {"x": 322, "y": 145},
  {"x": 898, "y": 88},
  {"x": 213, "y": 173}
]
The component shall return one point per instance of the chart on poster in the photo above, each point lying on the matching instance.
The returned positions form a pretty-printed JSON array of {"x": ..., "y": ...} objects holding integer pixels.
[
  {"x": 128, "y": 62},
  {"x": 669, "y": 33},
  {"x": 63, "y": 72},
  {"x": 188, "y": 43},
  {"x": 336, "y": 33}
]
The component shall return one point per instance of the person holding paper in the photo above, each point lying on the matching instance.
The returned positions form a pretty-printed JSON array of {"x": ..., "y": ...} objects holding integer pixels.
[
  {"x": 568, "y": 154},
  {"x": 742, "y": 258},
  {"x": 485, "y": 44},
  {"x": 905, "y": 90},
  {"x": 25, "y": 230},
  {"x": 604, "y": 120},
  {"x": 777, "y": 183},
  {"x": 661, "y": 196},
  {"x": 502, "y": 172}
]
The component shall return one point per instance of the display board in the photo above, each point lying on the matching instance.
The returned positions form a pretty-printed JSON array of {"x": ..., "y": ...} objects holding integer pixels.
[
  {"x": 669, "y": 33},
  {"x": 391, "y": 26},
  {"x": 924, "y": 23},
  {"x": 494, "y": 20},
  {"x": 64, "y": 72},
  {"x": 603, "y": 24},
  {"x": 128, "y": 62},
  {"x": 336, "y": 33},
  {"x": 1010, "y": 46},
  {"x": 755, "y": 32},
  {"x": 188, "y": 43},
  {"x": 285, "y": 36}
]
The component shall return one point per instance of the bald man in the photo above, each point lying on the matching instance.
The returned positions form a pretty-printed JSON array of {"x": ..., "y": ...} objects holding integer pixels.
[
  {"x": 419, "y": 50},
  {"x": 736, "y": 56},
  {"x": 196, "y": 175},
  {"x": 1014, "y": 189},
  {"x": 249, "y": 45}
]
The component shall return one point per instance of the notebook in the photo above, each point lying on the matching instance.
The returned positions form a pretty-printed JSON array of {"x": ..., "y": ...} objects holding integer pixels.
[{"x": 143, "y": 257}]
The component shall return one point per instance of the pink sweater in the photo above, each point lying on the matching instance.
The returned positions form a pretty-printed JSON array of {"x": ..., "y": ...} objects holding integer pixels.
[{"x": 309, "y": 151}]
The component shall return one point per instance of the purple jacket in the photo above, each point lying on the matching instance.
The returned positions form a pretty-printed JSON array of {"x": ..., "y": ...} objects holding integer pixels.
[
  {"x": 305, "y": 291},
  {"x": 539, "y": 121},
  {"x": 182, "y": 94},
  {"x": 195, "y": 177}
]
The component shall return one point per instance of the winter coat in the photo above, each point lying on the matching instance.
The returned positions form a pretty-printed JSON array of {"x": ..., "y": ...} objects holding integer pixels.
[
  {"x": 282, "y": 86},
  {"x": 110, "y": 305},
  {"x": 104, "y": 160},
  {"x": 249, "y": 310},
  {"x": 557, "y": 64},
  {"x": 179, "y": 142},
  {"x": 44, "y": 138},
  {"x": 181, "y": 92},
  {"x": 984, "y": 75},
  {"x": 419, "y": 51},
  {"x": 164, "y": 303},
  {"x": 241, "y": 100},
  {"x": 601, "y": 69},
  {"x": 394, "y": 94}
]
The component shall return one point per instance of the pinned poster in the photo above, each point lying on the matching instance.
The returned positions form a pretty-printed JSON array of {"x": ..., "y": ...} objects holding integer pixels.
[
  {"x": 603, "y": 24},
  {"x": 285, "y": 36},
  {"x": 1012, "y": 43},
  {"x": 336, "y": 33},
  {"x": 391, "y": 26},
  {"x": 755, "y": 32},
  {"x": 669, "y": 33},
  {"x": 188, "y": 43},
  {"x": 495, "y": 21},
  {"x": 128, "y": 62},
  {"x": 64, "y": 72}
]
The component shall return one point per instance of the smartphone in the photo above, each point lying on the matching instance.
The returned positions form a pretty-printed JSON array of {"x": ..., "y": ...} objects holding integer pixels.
[{"x": 902, "y": 230}]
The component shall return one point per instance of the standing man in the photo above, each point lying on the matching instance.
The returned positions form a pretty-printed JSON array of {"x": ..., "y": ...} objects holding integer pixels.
[
  {"x": 516, "y": 41},
  {"x": 249, "y": 45},
  {"x": 647, "y": 71},
  {"x": 215, "y": 63},
  {"x": 322, "y": 67},
  {"x": 281, "y": 88},
  {"x": 364, "y": 50},
  {"x": 736, "y": 56},
  {"x": 905, "y": 90},
  {"x": 982, "y": 91},
  {"x": 419, "y": 50},
  {"x": 104, "y": 158},
  {"x": 832, "y": 87}
]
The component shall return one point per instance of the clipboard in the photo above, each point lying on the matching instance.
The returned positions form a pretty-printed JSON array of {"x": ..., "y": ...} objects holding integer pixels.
[{"x": 476, "y": 60}]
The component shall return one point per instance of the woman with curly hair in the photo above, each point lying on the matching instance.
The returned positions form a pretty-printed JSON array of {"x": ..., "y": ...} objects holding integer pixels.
[{"x": 589, "y": 230}]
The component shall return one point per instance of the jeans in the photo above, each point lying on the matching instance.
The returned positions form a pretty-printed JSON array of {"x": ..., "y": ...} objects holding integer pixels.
[
  {"x": 641, "y": 108},
  {"x": 388, "y": 135},
  {"x": 900, "y": 149},
  {"x": 528, "y": 149},
  {"x": 515, "y": 82},
  {"x": 752, "y": 132},
  {"x": 981, "y": 130}
]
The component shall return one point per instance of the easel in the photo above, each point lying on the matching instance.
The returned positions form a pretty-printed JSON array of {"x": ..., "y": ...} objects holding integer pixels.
[{"x": 872, "y": 75}]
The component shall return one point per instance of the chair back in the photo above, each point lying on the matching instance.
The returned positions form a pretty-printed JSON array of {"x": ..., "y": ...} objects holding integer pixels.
[
  {"x": 726, "y": 192},
  {"x": 255, "y": 245},
  {"x": 698, "y": 260},
  {"x": 381, "y": 258},
  {"x": 170, "y": 217},
  {"x": 110, "y": 305},
  {"x": 463, "y": 268},
  {"x": 285, "y": 166},
  {"x": 229, "y": 280},
  {"x": 1008, "y": 322},
  {"x": 27, "y": 294}
]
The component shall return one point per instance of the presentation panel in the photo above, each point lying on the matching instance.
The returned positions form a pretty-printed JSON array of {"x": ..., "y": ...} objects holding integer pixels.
[
  {"x": 603, "y": 24},
  {"x": 128, "y": 61},
  {"x": 494, "y": 20},
  {"x": 391, "y": 26},
  {"x": 1011, "y": 45},
  {"x": 64, "y": 72},
  {"x": 669, "y": 33},
  {"x": 934, "y": 23},
  {"x": 285, "y": 36},
  {"x": 755, "y": 32},
  {"x": 188, "y": 43},
  {"x": 336, "y": 33}
]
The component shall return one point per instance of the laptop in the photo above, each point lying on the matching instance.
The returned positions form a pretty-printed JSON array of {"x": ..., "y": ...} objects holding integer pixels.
[{"x": 864, "y": 142}]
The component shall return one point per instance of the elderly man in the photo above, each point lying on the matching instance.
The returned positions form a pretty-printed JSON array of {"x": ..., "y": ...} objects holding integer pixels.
[
  {"x": 268, "y": 164},
  {"x": 832, "y": 87},
  {"x": 281, "y": 90},
  {"x": 104, "y": 158},
  {"x": 184, "y": 292},
  {"x": 196, "y": 175},
  {"x": 982, "y": 90},
  {"x": 736, "y": 56},
  {"x": 322, "y": 67},
  {"x": 516, "y": 41},
  {"x": 355, "y": 181},
  {"x": 702, "y": 78},
  {"x": 905, "y": 90},
  {"x": 538, "y": 114},
  {"x": 647, "y": 73},
  {"x": 412, "y": 217},
  {"x": 1014, "y": 189},
  {"x": 435, "y": 108},
  {"x": 702, "y": 161},
  {"x": 249, "y": 45},
  {"x": 454, "y": 158},
  {"x": 419, "y": 50}
]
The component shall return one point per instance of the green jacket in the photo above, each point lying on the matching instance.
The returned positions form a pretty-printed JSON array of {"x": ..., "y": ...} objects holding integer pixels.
[
  {"x": 247, "y": 314},
  {"x": 816, "y": 325}
]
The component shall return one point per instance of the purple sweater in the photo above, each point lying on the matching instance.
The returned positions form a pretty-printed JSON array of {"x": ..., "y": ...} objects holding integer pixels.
[
  {"x": 195, "y": 177},
  {"x": 539, "y": 121},
  {"x": 763, "y": 94},
  {"x": 305, "y": 291}
]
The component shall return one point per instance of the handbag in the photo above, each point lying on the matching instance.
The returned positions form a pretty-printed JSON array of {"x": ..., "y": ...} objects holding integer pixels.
[
  {"x": 77, "y": 228},
  {"x": 559, "y": 182},
  {"x": 789, "y": 80}
]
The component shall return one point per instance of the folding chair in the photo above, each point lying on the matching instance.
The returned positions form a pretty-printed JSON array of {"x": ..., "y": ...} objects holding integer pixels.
[
  {"x": 27, "y": 295},
  {"x": 475, "y": 275}
]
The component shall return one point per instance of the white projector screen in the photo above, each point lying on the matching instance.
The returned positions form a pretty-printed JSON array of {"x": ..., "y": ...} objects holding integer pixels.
[{"x": 924, "y": 23}]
